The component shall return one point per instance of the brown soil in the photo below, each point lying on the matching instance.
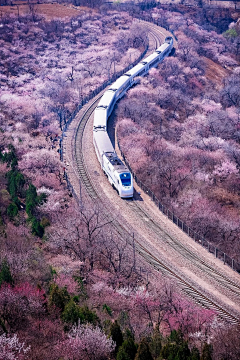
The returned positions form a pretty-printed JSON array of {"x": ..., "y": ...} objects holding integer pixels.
[
  {"x": 215, "y": 72},
  {"x": 48, "y": 11}
]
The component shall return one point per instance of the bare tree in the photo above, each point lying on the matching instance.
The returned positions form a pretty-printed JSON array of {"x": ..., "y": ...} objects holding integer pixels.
[
  {"x": 119, "y": 257},
  {"x": 78, "y": 234}
]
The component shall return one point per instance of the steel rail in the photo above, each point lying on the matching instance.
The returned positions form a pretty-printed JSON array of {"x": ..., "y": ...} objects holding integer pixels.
[{"x": 185, "y": 286}]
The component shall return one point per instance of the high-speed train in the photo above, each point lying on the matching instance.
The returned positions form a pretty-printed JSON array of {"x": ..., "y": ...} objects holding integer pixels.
[{"x": 118, "y": 174}]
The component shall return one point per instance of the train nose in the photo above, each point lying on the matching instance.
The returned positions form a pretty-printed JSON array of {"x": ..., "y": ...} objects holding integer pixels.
[{"x": 127, "y": 192}]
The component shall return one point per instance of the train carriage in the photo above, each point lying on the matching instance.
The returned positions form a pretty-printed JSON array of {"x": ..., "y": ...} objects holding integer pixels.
[{"x": 117, "y": 173}]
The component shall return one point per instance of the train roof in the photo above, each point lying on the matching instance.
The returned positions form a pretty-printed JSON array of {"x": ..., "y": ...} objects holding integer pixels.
[
  {"x": 116, "y": 162},
  {"x": 135, "y": 69},
  {"x": 119, "y": 82},
  {"x": 106, "y": 99},
  {"x": 103, "y": 142},
  {"x": 162, "y": 47},
  {"x": 150, "y": 58},
  {"x": 100, "y": 118}
]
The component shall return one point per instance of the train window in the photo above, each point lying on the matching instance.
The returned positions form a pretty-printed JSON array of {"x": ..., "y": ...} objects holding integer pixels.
[
  {"x": 125, "y": 179},
  {"x": 141, "y": 72},
  {"x": 154, "y": 62}
]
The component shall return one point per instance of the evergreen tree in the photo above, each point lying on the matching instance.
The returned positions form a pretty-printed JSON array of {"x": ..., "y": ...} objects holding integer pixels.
[
  {"x": 5, "y": 273},
  {"x": 176, "y": 336},
  {"x": 20, "y": 182},
  {"x": 156, "y": 344},
  {"x": 183, "y": 352},
  {"x": 88, "y": 316},
  {"x": 11, "y": 185},
  {"x": 169, "y": 351},
  {"x": 206, "y": 352},
  {"x": 143, "y": 352},
  {"x": 10, "y": 156},
  {"x": 14, "y": 163},
  {"x": 176, "y": 348},
  {"x": 37, "y": 228},
  {"x": 31, "y": 200},
  {"x": 58, "y": 297},
  {"x": 127, "y": 350},
  {"x": 12, "y": 210},
  {"x": 71, "y": 313},
  {"x": 116, "y": 334},
  {"x": 122, "y": 354},
  {"x": 195, "y": 355}
]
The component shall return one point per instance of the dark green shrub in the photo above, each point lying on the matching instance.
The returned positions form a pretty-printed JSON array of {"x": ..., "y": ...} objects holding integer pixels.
[
  {"x": 58, "y": 297},
  {"x": 127, "y": 350},
  {"x": 5, "y": 273},
  {"x": 12, "y": 210},
  {"x": 176, "y": 348},
  {"x": 207, "y": 352},
  {"x": 88, "y": 316},
  {"x": 155, "y": 344},
  {"x": 37, "y": 228},
  {"x": 107, "y": 309},
  {"x": 20, "y": 182},
  {"x": 71, "y": 313},
  {"x": 116, "y": 334},
  {"x": 195, "y": 355},
  {"x": 16, "y": 182},
  {"x": 143, "y": 352},
  {"x": 42, "y": 198},
  {"x": 44, "y": 222},
  {"x": 31, "y": 200}
]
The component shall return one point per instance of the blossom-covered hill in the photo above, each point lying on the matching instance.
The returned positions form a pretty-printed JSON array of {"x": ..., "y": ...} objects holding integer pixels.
[{"x": 180, "y": 130}]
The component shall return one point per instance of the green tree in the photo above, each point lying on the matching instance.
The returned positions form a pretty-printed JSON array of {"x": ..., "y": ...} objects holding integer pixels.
[
  {"x": 10, "y": 156},
  {"x": 12, "y": 210},
  {"x": 155, "y": 344},
  {"x": 116, "y": 334},
  {"x": 107, "y": 309},
  {"x": 5, "y": 273},
  {"x": 183, "y": 352},
  {"x": 127, "y": 350},
  {"x": 143, "y": 352},
  {"x": 31, "y": 200},
  {"x": 71, "y": 313},
  {"x": 11, "y": 185},
  {"x": 176, "y": 336},
  {"x": 37, "y": 228},
  {"x": 206, "y": 352},
  {"x": 230, "y": 33},
  {"x": 58, "y": 297},
  {"x": 195, "y": 355},
  {"x": 88, "y": 316},
  {"x": 20, "y": 182},
  {"x": 169, "y": 351},
  {"x": 176, "y": 347}
]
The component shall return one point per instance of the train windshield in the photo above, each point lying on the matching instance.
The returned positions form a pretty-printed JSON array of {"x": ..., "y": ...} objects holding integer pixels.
[{"x": 125, "y": 179}]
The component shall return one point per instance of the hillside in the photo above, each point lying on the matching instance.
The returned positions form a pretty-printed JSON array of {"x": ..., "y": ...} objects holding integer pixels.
[{"x": 70, "y": 287}]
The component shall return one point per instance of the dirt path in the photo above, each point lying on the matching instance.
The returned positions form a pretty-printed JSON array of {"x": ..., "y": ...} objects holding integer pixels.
[{"x": 154, "y": 231}]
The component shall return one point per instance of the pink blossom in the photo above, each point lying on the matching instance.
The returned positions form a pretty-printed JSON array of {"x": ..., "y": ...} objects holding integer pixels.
[
  {"x": 86, "y": 342},
  {"x": 67, "y": 281},
  {"x": 11, "y": 348}
]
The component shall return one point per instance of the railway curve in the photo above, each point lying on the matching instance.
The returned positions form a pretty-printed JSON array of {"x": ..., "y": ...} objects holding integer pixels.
[{"x": 159, "y": 241}]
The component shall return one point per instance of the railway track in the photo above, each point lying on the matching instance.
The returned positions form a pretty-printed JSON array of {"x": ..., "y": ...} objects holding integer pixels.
[
  {"x": 179, "y": 247},
  {"x": 191, "y": 290},
  {"x": 82, "y": 171}
]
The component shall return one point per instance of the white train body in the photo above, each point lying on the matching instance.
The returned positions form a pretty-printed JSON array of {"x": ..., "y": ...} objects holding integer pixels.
[{"x": 118, "y": 174}]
